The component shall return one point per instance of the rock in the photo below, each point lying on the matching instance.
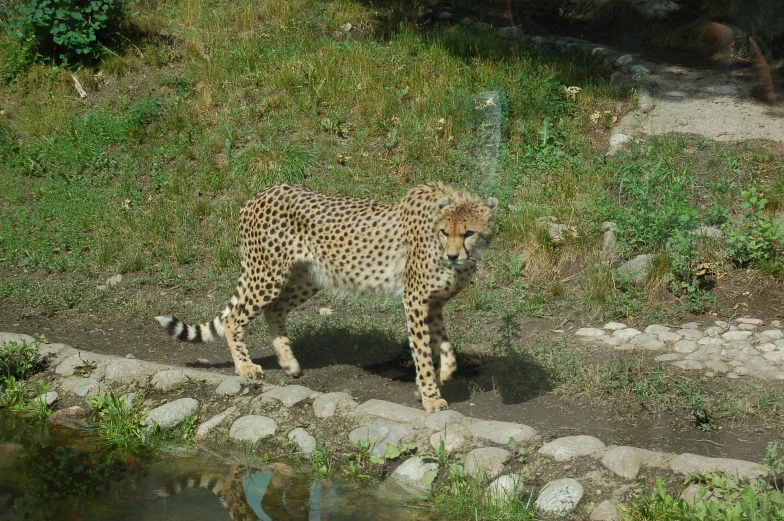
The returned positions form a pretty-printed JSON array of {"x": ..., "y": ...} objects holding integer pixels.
[
  {"x": 613, "y": 341},
  {"x": 647, "y": 342},
  {"x": 442, "y": 420},
  {"x": 616, "y": 142},
  {"x": 691, "y": 493},
  {"x": 714, "y": 330},
  {"x": 606, "y": 511},
  {"x": 774, "y": 334},
  {"x": 623, "y": 61},
  {"x": 489, "y": 461},
  {"x": 626, "y": 334},
  {"x": 204, "y": 429},
  {"x": 716, "y": 366},
  {"x": 305, "y": 442},
  {"x": 445, "y": 15},
  {"x": 689, "y": 365},
  {"x": 80, "y": 386},
  {"x": 559, "y": 497},
  {"x": 15, "y": 338},
  {"x": 609, "y": 246},
  {"x": 168, "y": 379},
  {"x": 328, "y": 404},
  {"x": 736, "y": 335},
  {"x": 685, "y": 346},
  {"x": 390, "y": 411},
  {"x": 657, "y": 329},
  {"x": 501, "y": 432},
  {"x": 747, "y": 327},
  {"x": 690, "y": 325},
  {"x": 73, "y": 418},
  {"x": 686, "y": 463},
  {"x": 636, "y": 270},
  {"x": 124, "y": 370},
  {"x": 710, "y": 232},
  {"x": 172, "y": 414},
  {"x": 711, "y": 341},
  {"x": 740, "y": 371},
  {"x": 569, "y": 447},
  {"x": 668, "y": 357},
  {"x": 113, "y": 280},
  {"x": 511, "y": 33},
  {"x": 627, "y": 461},
  {"x": 654, "y": 9},
  {"x": 47, "y": 398},
  {"x": 775, "y": 357},
  {"x": 690, "y": 334},
  {"x": 379, "y": 436},
  {"x": 230, "y": 386},
  {"x": 704, "y": 353},
  {"x": 451, "y": 440},
  {"x": 127, "y": 400},
  {"x": 288, "y": 395},
  {"x": 68, "y": 366},
  {"x": 410, "y": 476},
  {"x": 615, "y": 326},
  {"x": 252, "y": 428},
  {"x": 506, "y": 487},
  {"x": 752, "y": 321},
  {"x": 591, "y": 332},
  {"x": 670, "y": 337}
]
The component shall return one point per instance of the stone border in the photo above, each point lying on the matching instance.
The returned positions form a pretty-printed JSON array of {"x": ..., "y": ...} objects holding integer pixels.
[
  {"x": 740, "y": 348},
  {"x": 268, "y": 416}
]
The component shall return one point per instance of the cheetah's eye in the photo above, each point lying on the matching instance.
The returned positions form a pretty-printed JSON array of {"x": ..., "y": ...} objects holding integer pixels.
[
  {"x": 468, "y": 234},
  {"x": 443, "y": 232}
]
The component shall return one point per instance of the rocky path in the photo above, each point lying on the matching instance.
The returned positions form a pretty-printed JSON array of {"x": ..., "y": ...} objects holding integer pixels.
[
  {"x": 572, "y": 474},
  {"x": 744, "y": 348}
]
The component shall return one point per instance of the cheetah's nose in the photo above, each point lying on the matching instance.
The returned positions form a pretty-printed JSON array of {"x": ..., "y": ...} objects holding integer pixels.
[{"x": 452, "y": 256}]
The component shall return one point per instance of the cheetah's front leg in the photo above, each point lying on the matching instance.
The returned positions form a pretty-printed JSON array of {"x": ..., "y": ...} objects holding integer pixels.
[
  {"x": 419, "y": 339},
  {"x": 439, "y": 343}
]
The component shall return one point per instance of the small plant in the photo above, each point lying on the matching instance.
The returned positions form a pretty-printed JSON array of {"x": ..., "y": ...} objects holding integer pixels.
[
  {"x": 85, "y": 368},
  {"x": 759, "y": 241},
  {"x": 119, "y": 424},
  {"x": 68, "y": 30},
  {"x": 321, "y": 461},
  {"x": 11, "y": 394},
  {"x": 19, "y": 360}
]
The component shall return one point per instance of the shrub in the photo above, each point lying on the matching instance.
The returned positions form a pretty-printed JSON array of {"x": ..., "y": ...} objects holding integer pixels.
[
  {"x": 759, "y": 240},
  {"x": 68, "y": 30}
]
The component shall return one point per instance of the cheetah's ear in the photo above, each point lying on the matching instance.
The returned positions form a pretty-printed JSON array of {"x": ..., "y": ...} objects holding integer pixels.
[
  {"x": 491, "y": 203},
  {"x": 444, "y": 202}
]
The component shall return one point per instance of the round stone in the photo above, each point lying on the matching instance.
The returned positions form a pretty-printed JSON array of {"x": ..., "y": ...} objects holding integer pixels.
[
  {"x": 569, "y": 447},
  {"x": 559, "y": 497},
  {"x": 252, "y": 428},
  {"x": 685, "y": 346}
]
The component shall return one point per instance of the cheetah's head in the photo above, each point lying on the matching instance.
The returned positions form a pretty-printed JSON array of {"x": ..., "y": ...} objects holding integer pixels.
[{"x": 465, "y": 229}]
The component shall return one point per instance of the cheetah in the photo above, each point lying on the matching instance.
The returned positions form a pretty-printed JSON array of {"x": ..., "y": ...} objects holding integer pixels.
[{"x": 295, "y": 242}]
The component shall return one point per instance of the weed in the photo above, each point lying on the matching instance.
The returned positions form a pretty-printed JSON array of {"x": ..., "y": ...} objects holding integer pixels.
[
  {"x": 11, "y": 394},
  {"x": 19, "y": 360},
  {"x": 759, "y": 240},
  {"x": 723, "y": 499},
  {"x": 463, "y": 497},
  {"x": 321, "y": 461},
  {"x": 39, "y": 407},
  {"x": 120, "y": 424},
  {"x": 68, "y": 29}
]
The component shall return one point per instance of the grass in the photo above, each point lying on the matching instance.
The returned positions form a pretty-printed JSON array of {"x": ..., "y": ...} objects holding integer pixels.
[
  {"x": 720, "y": 497},
  {"x": 462, "y": 497},
  {"x": 185, "y": 124}
]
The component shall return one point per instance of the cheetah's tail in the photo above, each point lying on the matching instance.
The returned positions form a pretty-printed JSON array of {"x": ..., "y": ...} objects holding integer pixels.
[{"x": 206, "y": 332}]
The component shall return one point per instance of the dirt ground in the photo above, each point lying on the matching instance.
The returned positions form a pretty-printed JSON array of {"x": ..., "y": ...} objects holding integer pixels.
[{"x": 375, "y": 364}]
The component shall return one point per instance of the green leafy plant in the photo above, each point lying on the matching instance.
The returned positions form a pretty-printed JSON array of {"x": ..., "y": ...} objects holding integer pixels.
[
  {"x": 321, "y": 460},
  {"x": 686, "y": 266},
  {"x": 19, "y": 360},
  {"x": 68, "y": 30},
  {"x": 11, "y": 394},
  {"x": 119, "y": 424},
  {"x": 759, "y": 240}
]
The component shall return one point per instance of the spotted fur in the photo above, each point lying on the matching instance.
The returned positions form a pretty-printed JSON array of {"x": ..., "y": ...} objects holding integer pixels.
[{"x": 295, "y": 242}]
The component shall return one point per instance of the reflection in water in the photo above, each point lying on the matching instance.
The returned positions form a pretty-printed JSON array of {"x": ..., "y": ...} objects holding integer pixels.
[{"x": 53, "y": 474}]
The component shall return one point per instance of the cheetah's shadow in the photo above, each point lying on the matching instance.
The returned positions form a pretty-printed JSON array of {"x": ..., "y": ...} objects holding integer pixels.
[{"x": 516, "y": 377}]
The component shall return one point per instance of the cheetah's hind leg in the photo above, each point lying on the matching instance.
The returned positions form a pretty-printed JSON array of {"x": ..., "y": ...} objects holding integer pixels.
[{"x": 297, "y": 290}]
